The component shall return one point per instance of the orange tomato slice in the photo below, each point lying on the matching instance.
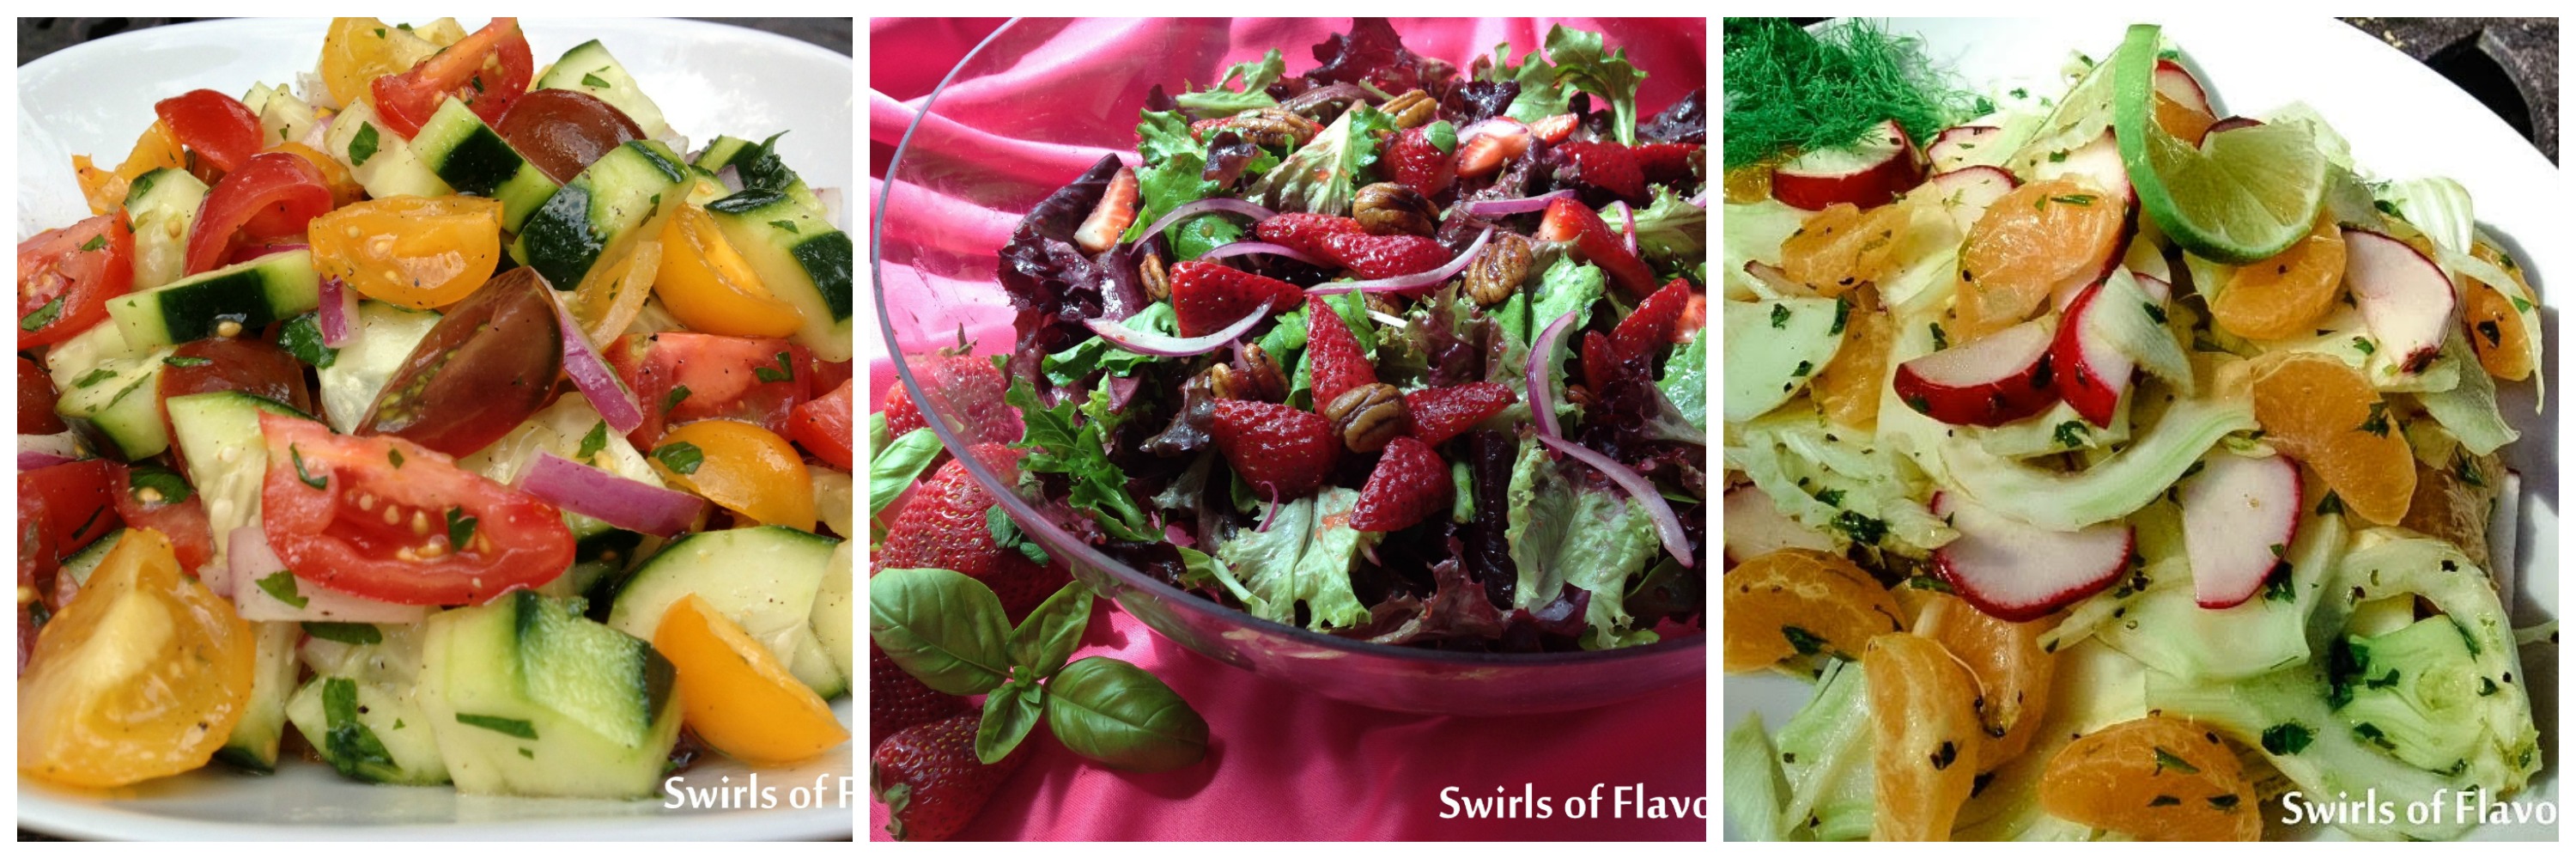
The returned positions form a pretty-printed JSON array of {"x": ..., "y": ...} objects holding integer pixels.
[
  {"x": 741, "y": 467},
  {"x": 734, "y": 693}
]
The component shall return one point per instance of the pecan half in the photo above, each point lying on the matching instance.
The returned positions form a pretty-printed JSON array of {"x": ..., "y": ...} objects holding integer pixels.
[
  {"x": 1149, "y": 272},
  {"x": 1413, "y": 108},
  {"x": 1499, "y": 269},
  {"x": 1390, "y": 209},
  {"x": 1368, "y": 416}
]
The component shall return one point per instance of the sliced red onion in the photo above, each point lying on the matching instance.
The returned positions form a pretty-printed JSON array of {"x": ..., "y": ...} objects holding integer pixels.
[
  {"x": 1410, "y": 281},
  {"x": 30, "y": 460},
  {"x": 39, "y": 451},
  {"x": 591, "y": 374},
  {"x": 1542, "y": 388},
  {"x": 1628, "y": 227},
  {"x": 339, "y": 312},
  {"x": 731, "y": 178},
  {"x": 1484, "y": 208},
  {"x": 1667, "y": 523},
  {"x": 1701, "y": 200},
  {"x": 630, "y": 504},
  {"x": 1167, "y": 346},
  {"x": 1273, "y": 513},
  {"x": 1212, "y": 204},
  {"x": 1240, "y": 248}
]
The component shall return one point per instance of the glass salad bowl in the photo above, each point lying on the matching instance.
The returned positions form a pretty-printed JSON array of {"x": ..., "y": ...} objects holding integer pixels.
[{"x": 981, "y": 154}]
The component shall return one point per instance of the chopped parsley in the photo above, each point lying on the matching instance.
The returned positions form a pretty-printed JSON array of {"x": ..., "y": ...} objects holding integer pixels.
[
  {"x": 520, "y": 728},
  {"x": 680, "y": 457},
  {"x": 2169, "y": 761},
  {"x": 362, "y": 145},
  {"x": 281, "y": 584},
  {"x": 297, "y": 454},
  {"x": 1779, "y": 315},
  {"x": 2071, "y": 434},
  {"x": 460, "y": 528},
  {"x": 2377, "y": 423},
  {"x": 784, "y": 373}
]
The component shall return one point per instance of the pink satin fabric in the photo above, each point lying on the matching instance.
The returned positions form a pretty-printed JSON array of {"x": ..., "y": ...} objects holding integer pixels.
[{"x": 1285, "y": 764}]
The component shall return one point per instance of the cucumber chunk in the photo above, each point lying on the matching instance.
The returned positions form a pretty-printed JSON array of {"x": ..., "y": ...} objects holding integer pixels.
[
  {"x": 251, "y": 293},
  {"x": 470, "y": 157},
  {"x": 800, "y": 258},
  {"x": 528, "y": 698},
  {"x": 764, "y": 579}
]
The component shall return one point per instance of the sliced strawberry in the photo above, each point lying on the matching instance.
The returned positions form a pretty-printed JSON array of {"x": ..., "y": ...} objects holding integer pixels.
[
  {"x": 1497, "y": 140},
  {"x": 1306, "y": 231},
  {"x": 1567, "y": 220},
  {"x": 1694, "y": 318},
  {"x": 1654, "y": 321},
  {"x": 946, "y": 525},
  {"x": 1282, "y": 451},
  {"x": 1603, "y": 165},
  {"x": 1419, "y": 164},
  {"x": 1207, "y": 297},
  {"x": 1555, "y": 129},
  {"x": 1334, "y": 354},
  {"x": 1440, "y": 414},
  {"x": 931, "y": 781},
  {"x": 1666, "y": 163},
  {"x": 898, "y": 700},
  {"x": 1376, "y": 257},
  {"x": 1110, "y": 219},
  {"x": 1598, "y": 358},
  {"x": 1409, "y": 485}
]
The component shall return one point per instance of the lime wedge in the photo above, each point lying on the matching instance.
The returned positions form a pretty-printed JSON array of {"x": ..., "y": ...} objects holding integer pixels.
[{"x": 2249, "y": 194}]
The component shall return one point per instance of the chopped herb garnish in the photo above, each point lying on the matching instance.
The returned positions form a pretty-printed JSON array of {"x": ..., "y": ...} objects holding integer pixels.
[
  {"x": 594, "y": 442},
  {"x": 680, "y": 457},
  {"x": 186, "y": 361},
  {"x": 95, "y": 242},
  {"x": 1779, "y": 316},
  {"x": 591, "y": 80},
  {"x": 2364, "y": 346},
  {"x": 152, "y": 484},
  {"x": 2277, "y": 586},
  {"x": 394, "y": 456},
  {"x": 2154, "y": 312},
  {"x": 362, "y": 145},
  {"x": 520, "y": 728},
  {"x": 94, "y": 377},
  {"x": 1832, "y": 497},
  {"x": 678, "y": 394},
  {"x": 1842, "y": 314},
  {"x": 344, "y": 633},
  {"x": 1940, "y": 338},
  {"x": 784, "y": 373},
  {"x": 297, "y": 454},
  {"x": 2071, "y": 434},
  {"x": 789, "y": 226},
  {"x": 2074, "y": 199},
  {"x": 1803, "y": 368},
  {"x": 281, "y": 584},
  {"x": 2467, "y": 469},
  {"x": 1806, "y": 643},
  {"x": 2169, "y": 761},
  {"x": 460, "y": 528},
  {"x": 2332, "y": 503},
  {"x": 2377, "y": 423},
  {"x": 45, "y": 315}
]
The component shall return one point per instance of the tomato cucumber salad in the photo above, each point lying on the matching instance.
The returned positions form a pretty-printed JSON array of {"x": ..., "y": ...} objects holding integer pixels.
[
  {"x": 1382, "y": 350},
  {"x": 2112, "y": 465},
  {"x": 434, "y": 408}
]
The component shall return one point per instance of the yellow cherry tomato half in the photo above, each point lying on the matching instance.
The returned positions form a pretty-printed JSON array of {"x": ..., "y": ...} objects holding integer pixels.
[
  {"x": 741, "y": 467},
  {"x": 356, "y": 51},
  {"x": 143, "y": 675},
  {"x": 708, "y": 286},
  {"x": 105, "y": 189},
  {"x": 418, "y": 252},
  {"x": 613, "y": 293},
  {"x": 736, "y": 695}
]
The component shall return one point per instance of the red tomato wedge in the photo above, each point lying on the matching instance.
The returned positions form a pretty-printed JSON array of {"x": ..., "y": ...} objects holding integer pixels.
[
  {"x": 383, "y": 518},
  {"x": 822, "y": 427},
  {"x": 486, "y": 70},
  {"x": 36, "y": 399},
  {"x": 62, "y": 508},
  {"x": 682, "y": 376},
  {"x": 273, "y": 194},
  {"x": 220, "y": 129},
  {"x": 147, "y": 504},
  {"x": 66, "y": 276}
]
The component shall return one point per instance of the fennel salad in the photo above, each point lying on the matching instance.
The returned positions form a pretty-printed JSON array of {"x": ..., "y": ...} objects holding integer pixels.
[
  {"x": 437, "y": 410},
  {"x": 2112, "y": 465}
]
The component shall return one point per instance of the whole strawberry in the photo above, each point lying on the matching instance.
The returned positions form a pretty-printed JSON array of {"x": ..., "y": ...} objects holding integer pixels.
[
  {"x": 1409, "y": 485},
  {"x": 1418, "y": 163},
  {"x": 1283, "y": 452},
  {"x": 1604, "y": 165},
  {"x": 1375, "y": 257},
  {"x": 898, "y": 700},
  {"x": 973, "y": 389},
  {"x": 930, "y": 780},
  {"x": 1207, "y": 297},
  {"x": 1305, "y": 231},
  {"x": 946, "y": 525}
]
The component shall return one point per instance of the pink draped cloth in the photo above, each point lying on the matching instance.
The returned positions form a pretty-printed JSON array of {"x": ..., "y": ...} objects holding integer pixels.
[{"x": 1285, "y": 764}]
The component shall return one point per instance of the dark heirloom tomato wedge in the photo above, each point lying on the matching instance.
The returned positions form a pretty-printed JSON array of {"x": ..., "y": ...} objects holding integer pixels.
[
  {"x": 485, "y": 367},
  {"x": 230, "y": 364},
  {"x": 66, "y": 276},
  {"x": 219, "y": 128},
  {"x": 159, "y": 499},
  {"x": 682, "y": 376},
  {"x": 387, "y": 519},
  {"x": 822, "y": 427},
  {"x": 562, "y": 131},
  {"x": 273, "y": 194},
  {"x": 36, "y": 398},
  {"x": 486, "y": 70}
]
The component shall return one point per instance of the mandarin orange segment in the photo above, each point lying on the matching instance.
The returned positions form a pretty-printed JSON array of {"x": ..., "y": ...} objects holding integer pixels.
[
  {"x": 1794, "y": 602},
  {"x": 2497, "y": 334},
  {"x": 2012, "y": 671},
  {"x": 2322, "y": 412},
  {"x": 2182, "y": 121},
  {"x": 1924, "y": 737},
  {"x": 1847, "y": 389},
  {"x": 1750, "y": 183},
  {"x": 1842, "y": 247},
  {"x": 2284, "y": 295},
  {"x": 2041, "y": 237},
  {"x": 2157, "y": 778}
]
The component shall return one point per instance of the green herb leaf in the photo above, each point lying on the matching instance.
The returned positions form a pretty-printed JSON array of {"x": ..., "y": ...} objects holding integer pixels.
[
  {"x": 297, "y": 454},
  {"x": 186, "y": 361},
  {"x": 678, "y": 394},
  {"x": 1806, "y": 643},
  {"x": 347, "y": 743},
  {"x": 520, "y": 728},
  {"x": 942, "y": 627},
  {"x": 1010, "y": 713},
  {"x": 460, "y": 529},
  {"x": 153, "y": 485},
  {"x": 1117, "y": 714},
  {"x": 593, "y": 442},
  {"x": 1053, "y": 631},
  {"x": 783, "y": 373},
  {"x": 894, "y": 466},
  {"x": 593, "y": 81},
  {"x": 394, "y": 456},
  {"x": 344, "y": 633},
  {"x": 94, "y": 377},
  {"x": 1060, "y": 442},
  {"x": 2169, "y": 761},
  {"x": 94, "y": 243},
  {"x": 362, "y": 145},
  {"x": 42, "y": 317},
  {"x": 302, "y": 338},
  {"x": 281, "y": 584},
  {"x": 680, "y": 457}
]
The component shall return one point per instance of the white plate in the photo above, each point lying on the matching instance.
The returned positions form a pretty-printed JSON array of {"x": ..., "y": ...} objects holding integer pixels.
[
  {"x": 2403, "y": 121},
  {"x": 709, "y": 79}
]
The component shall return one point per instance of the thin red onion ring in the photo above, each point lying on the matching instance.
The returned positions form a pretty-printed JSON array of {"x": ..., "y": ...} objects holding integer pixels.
[
  {"x": 1515, "y": 206},
  {"x": 339, "y": 312},
  {"x": 1410, "y": 281},
  {"x": 1628, "y": 224},
  {"x": 1542, "y": 359},
  {"x": 1240, "y": 248},
  {"x": 591, "y": 373},
  {"x": 30, "y": 460},
  {"x": 1196, "y": 207},
  {"x": 630, "y": 504},
  {"x": 1701, "y": 200},
  {"x": 1167, "y": 346},
  {"x": 1667, "y": 523}
]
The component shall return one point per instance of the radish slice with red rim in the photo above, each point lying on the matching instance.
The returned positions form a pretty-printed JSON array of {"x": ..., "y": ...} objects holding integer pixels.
[{"x": 1668, "y": 524}]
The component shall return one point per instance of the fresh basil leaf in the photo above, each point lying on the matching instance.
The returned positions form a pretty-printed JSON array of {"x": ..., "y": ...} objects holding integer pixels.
[
  {"x": 944, "y": 628},
  {"x": 42, "y": 317},
  {"x": 302, "y": 338},
  {"x": 153, "y": 485},
  {"x": 1049, "y": 635},
  {"x": 1010, "y": 712},
  {"x": 680, "y": 457},
  {"x": 520, "y": 728},
  {"x": 281, "y": 584},
  {"x": 345, "y": 633},
  {"x": 593, "y": 81},
  {"x": 896, "y": 466},
  {"x": 1117, "y": 714},
  {"x": 353, "y": 749},
  {"x": 362, "y": 146},
  {"x": 591, "y": 444}
]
